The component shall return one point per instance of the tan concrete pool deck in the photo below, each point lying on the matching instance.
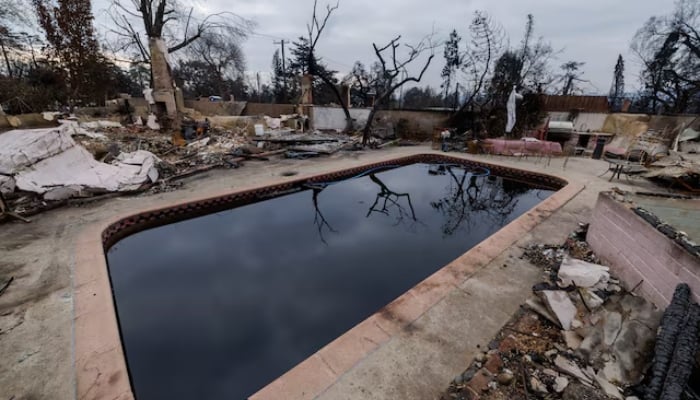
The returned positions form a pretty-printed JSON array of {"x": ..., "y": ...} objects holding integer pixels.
[{"x": 411, "y": 349}]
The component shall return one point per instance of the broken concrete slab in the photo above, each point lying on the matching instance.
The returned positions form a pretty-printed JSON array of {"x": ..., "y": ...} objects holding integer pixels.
[
  {"x": 609, "y": 389},
  {"x": 581, "y": 273},
  {"x": 540, "y": 309},
  {"x": 569, "y": 367},
  {"x": 538, "y": 386},
  {"x": 633, "y": 349},
  {"x": 559, "y": 303},
  {"x": 560, "y": 384},
  {"x": 622, "y": 338},
  {"x": 572, "y": 339},
  {"x": 593, "y": 301},
  {"x": 612, "y": 323}
]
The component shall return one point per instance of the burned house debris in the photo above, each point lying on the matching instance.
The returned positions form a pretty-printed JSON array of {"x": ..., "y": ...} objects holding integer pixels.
[
  {"x": 585, "y": 336},
  {"x": 158, "y": 107}
]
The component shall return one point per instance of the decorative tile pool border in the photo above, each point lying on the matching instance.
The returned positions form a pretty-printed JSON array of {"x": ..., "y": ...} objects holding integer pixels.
[
  {"x": 148, "y": 219},
  {"x": 99, "y": 358}
]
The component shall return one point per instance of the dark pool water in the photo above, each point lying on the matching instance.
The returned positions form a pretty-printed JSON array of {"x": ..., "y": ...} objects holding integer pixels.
[{"x": 219, "y": 306}]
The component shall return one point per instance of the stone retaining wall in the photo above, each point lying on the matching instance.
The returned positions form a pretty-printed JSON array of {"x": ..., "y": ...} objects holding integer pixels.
[{"x": 637, "y": 252}]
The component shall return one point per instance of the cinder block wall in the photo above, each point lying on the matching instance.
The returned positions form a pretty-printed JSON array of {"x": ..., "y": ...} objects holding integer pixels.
[{"x": 636, "y": 251}]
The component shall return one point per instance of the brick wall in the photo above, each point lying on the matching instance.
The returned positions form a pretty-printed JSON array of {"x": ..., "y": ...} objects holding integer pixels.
[{"x": 636, "y": 251}]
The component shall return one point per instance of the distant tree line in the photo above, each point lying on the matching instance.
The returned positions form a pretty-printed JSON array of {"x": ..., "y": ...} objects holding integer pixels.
[{"x": 52, "y": 56}]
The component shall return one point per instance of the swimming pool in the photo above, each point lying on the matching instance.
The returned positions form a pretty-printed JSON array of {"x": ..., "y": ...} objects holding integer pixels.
[{"x": 220, "y": 305}]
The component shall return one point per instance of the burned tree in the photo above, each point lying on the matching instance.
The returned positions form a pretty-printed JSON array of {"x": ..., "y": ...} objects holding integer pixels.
[
  {"x": 669, "y": 50},
  {"x": 571, "y": 74},
  {"x": 535, "y": 74},
  {"x": 219, "y": 64},
  {"x": 313, "y": 67},
  {"x": 486, "y": 40},
  {"x": 68, "y": 27},
  {"x": 321, "y": 92},
  {"x": 11, "y": 39},
  {"x": 617, "y": 89},
  {"x": 392, "y": 65},
  {"x": 359, "y": 82},
  {"x": 167, "y": 27},
  {"x": 453, "y": 62}
]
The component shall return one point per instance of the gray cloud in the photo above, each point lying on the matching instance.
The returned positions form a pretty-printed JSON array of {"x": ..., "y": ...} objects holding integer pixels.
[{"x": 592, "y": 31}]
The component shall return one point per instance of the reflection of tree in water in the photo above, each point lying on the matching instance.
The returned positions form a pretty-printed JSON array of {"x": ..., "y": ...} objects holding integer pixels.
[
  {"x": 467, "y": 194},
  {"x": 319, "y": 220},
  {"x": 388, "y": 202}
]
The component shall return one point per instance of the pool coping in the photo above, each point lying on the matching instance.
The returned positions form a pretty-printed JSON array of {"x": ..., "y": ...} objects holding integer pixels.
[{"x": 101, "y": 370}]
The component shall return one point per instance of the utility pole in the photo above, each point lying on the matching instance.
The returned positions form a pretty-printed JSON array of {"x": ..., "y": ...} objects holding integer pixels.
[
  {"x": 284, "y": 66},
  {"x": 257, "y": 76}
]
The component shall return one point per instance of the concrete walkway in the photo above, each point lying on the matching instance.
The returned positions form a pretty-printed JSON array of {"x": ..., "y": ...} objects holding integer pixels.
[{"x": 36, "y": 311}]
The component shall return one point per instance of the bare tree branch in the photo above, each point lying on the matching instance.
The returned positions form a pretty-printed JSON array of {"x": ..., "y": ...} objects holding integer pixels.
[{"x": 392, "y": 67}]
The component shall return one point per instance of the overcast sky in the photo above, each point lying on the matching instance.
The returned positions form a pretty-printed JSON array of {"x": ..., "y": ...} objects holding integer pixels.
[{"x": 592, "y": 31}]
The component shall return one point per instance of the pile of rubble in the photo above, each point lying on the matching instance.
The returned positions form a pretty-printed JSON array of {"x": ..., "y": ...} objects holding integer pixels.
[
  {"x": 582, "y": 336},
  {"x": 44, "y": 168}
]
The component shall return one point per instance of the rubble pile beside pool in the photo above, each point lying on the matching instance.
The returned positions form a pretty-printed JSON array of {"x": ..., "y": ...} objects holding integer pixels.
[{"x": 585, "y": 336}]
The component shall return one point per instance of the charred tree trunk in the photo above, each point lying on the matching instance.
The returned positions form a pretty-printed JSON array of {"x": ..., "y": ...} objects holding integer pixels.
[
  {"x": 6, "y": 57},
  {"x": 676, "y": 347},
  {"x": 368, "y": 126},
  {"x": 163, "y": 87},
  {"x": 683, "y": 357}
]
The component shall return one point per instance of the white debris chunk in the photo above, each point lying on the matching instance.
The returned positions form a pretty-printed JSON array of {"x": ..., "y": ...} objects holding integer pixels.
[
  {"x": 572, "y": 339},
  {"x": 609, "y": 389},
  {"x": 152, "y": 123},
  {"x": 273, "y": 123},
  {"x": 559, "y": 303},
  {"x": 49, "y": 115},
  {"x": 7, "y": 184},
  {"x": 537, "y": 385},
  {"x": 568, "y": 367},
  {"x": 74, "y": 129},
  {"x": 77, "y": 167},
  {"x": 63, "y": 193},
  {"x": 21, "y": 148},
  {"x": 560, "y": 384},
  {"x": 100, "y": 124},
  {"x": 582, "y": 273},
  {"x": 145, "y": 159},
  {"x": 611, "y": 327},
  {"x": 593, "y": 301},
  {"x": 536, "y": 306},
  {"x": 198, "y": 144}
]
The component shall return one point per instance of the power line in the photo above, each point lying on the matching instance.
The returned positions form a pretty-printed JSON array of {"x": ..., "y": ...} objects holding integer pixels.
[
  {"x": 336, "y": 62},
  {"x": 268, "y": 36}
]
